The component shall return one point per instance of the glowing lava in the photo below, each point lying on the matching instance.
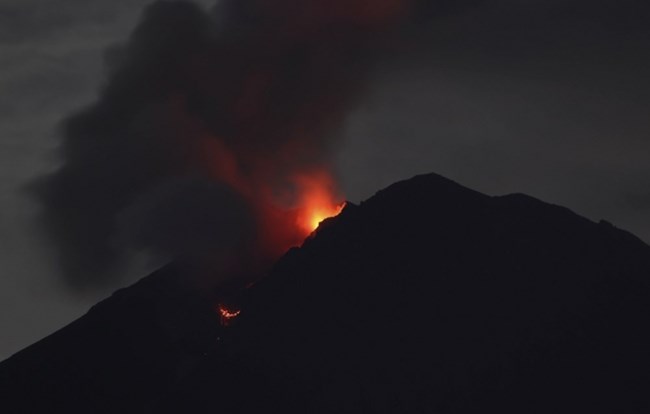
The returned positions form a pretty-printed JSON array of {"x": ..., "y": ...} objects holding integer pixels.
[
  {"x": 319, "y": 213},
  {"x": 227, "y": 315},
  {"x": 317, "y": 201}
]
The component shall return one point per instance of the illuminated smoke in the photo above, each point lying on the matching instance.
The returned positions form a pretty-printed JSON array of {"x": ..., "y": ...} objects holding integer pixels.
[{"x": 212, "y": 131}]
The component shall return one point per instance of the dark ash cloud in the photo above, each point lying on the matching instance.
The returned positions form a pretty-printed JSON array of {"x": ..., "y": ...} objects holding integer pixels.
[
  {"x": 248, "y": 97},
  {"x": 254, "y": 92}
]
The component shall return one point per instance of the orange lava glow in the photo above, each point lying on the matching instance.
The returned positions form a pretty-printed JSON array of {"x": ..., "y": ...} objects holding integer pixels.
[
  {"x": 317, "y": 201},
  {"x": 287, "y": 205},
  {"x": 227, "y": 315},
  {"x": 320, "y": 212}
]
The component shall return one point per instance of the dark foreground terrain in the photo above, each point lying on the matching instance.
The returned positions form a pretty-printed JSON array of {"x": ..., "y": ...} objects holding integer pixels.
[{"x": 427, "y": 298}]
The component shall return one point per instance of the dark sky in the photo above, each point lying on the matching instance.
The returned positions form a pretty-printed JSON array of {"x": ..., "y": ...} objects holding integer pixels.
[{"x": 549, "y": 98}]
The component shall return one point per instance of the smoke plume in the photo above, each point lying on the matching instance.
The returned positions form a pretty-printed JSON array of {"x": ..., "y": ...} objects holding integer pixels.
[{"x": 210, "y": 129}]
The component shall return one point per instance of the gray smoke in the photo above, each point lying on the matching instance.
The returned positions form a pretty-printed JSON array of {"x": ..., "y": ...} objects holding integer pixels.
[{"x": 203, "y": 117}]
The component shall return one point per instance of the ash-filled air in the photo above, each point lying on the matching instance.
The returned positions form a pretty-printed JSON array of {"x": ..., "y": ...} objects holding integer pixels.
[{"x": 211, "y": 139}]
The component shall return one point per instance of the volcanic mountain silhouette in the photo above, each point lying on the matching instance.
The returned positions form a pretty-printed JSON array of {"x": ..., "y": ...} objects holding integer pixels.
[{"x": 427, "y": 298}]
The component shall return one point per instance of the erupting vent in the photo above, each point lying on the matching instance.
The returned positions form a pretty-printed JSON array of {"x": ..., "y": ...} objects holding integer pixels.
[{"x": 317, "y": 200}]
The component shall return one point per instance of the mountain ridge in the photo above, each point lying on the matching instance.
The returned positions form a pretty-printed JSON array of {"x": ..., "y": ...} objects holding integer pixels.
[{"x": 428, "y": 297}]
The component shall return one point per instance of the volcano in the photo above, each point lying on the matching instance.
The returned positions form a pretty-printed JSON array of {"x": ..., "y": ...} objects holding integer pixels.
[{"x": 427, "y": 298}]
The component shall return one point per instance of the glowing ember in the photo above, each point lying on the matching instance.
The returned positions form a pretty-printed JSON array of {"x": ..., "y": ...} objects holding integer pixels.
[{"x": 227, "y": 315}]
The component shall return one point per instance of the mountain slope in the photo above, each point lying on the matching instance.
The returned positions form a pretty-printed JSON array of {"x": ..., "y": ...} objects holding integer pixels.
[{"x": 428, "y": 297}]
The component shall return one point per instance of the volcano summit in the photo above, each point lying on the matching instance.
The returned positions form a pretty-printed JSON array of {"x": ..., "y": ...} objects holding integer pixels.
[{"x": 426, "y": 298}]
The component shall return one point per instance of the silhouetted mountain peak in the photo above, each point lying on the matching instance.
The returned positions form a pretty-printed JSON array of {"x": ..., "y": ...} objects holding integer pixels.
[{"x": 428, "y": 297}]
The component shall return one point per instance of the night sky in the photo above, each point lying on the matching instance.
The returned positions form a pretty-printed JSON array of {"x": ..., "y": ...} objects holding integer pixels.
[{"x": 549, "y": 98}]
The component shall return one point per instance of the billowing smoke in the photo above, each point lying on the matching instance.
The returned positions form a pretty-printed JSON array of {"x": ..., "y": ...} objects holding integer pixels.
[{"x": 210, "y": 130}]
